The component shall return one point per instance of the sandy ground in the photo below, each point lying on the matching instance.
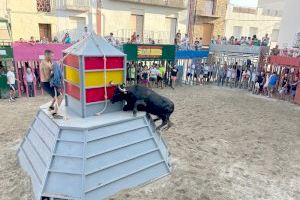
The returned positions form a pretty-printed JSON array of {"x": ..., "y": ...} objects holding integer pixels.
[{"x": 226, "y": 144}]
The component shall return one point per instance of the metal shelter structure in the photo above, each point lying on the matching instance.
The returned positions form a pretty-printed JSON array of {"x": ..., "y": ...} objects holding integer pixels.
[
  {"x": 86, "y": 156},
  {"x": 220, "y": 53},
  {"x": 279, "y": 63}
]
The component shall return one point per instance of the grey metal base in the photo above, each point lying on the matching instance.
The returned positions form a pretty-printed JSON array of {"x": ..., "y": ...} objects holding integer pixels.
[{"x": 91, "y": 158}]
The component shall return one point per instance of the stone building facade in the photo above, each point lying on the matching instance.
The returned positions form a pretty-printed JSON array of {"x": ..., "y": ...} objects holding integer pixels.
[{"x": 207, "y": 19}]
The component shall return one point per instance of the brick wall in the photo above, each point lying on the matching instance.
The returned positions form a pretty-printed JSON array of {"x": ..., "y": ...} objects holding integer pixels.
[{"x": 218, "y": 20}]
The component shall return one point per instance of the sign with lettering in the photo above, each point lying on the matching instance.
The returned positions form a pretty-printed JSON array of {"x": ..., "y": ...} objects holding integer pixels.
[{"x": 149, "y": 51}]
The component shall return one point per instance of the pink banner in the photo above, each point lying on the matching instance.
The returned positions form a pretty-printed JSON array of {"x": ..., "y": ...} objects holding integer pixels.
[{"x": 23, "y": 51}]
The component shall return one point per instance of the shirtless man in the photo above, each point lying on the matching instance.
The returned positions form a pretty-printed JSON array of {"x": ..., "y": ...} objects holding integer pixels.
[{"x": 46, "y": 73}]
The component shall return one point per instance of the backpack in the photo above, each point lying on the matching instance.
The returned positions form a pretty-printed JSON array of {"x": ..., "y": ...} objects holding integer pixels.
[{"x": 56, "y": 78}]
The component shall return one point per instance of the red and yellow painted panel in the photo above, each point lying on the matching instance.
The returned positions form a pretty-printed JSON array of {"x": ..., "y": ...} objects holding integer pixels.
[
  {"x": 98, "y": 63},
  {"x": 72, "y": 60},
  {"x": 72, "y": 75},
  {"x": 72, "y": 90},
  {"x": 98, "y": 94},
  {"x": 96, "y": 78}
]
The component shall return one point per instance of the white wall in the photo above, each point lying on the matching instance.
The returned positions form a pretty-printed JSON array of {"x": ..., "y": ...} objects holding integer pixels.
[
  {"x": 264, "y": 24},
  {"x": 290, "y": 23},
  {"x": 271, "y": 4},
  {"x": 116, "y": 18},
  {"x": 3, "y": 8}
]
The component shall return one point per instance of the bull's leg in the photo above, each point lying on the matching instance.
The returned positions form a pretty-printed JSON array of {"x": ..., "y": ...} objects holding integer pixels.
[
  {"x": 169, "y": 124},
  {"x": 127, "y": 107},
  {"x": 164, "y": 122},
  {"x": 156, "y": 119},
  {"x": 136, "y": 104}
]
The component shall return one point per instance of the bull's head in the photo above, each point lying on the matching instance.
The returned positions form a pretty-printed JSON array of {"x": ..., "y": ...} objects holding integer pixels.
[{"x": 119, "y": 94}]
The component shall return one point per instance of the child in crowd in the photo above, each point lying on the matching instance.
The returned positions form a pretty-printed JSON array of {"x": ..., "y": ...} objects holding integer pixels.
[
  {"x": 145, "y": 76},
  {"x": 245, "y": 78},
  {"x": 153, "y": 75},
  {"x": 174, "y": 72},
  {"x": 284, "y": 87}
]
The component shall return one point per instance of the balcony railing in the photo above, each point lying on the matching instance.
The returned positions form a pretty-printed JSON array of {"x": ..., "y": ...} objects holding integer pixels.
[
  {"x": 207, "y": 12},
  {"x": 235, "y": 49},
  {"x": 76, "y": 5},
  {"x": 181, "y": 4}
]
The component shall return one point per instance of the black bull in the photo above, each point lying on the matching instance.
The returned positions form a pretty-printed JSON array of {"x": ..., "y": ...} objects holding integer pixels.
[{"x": 139, "y": 98}]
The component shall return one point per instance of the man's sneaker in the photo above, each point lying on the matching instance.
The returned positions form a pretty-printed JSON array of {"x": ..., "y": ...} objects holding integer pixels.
[{"x": 11, "y": 100}]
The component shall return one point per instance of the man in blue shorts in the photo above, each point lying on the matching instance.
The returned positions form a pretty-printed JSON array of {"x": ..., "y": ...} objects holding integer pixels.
[{"x": 272, "y": 84}]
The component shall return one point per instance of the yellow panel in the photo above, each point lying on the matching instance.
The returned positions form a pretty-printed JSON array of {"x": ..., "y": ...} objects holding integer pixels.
[
  {"x": 97, "y": 78},
  {"x": 72, "y": 75}
]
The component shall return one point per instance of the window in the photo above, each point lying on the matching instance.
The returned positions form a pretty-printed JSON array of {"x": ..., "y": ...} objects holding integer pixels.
[
  {"x": 43, "y": 6},
  {"x": 137, "y": 24},
  {"x": 45, "y": 32},
  {"x": 237, "y": 31},
  {"x": 274, "y": 35},
  {"x": 252, "y": 31},
  {"x": 208, "y": 7},
  {"x": 171, "y": 24}
]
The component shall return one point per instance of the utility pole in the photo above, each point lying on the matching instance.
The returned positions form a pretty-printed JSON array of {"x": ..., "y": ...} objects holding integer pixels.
[
  {"x": 191, "y": 18},
  {"x": 98, "y": 17}
]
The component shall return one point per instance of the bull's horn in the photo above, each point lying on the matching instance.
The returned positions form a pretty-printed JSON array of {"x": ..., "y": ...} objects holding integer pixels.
[{"x": 121, "y": 89}]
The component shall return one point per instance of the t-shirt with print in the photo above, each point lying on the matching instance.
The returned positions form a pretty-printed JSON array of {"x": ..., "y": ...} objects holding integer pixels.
[{"x": 273, "y": 79}]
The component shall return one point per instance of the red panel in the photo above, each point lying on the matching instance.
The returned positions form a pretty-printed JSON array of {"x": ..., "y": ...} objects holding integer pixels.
[
  {"x": 97, "y": 94},
  {"x": 98, "y": 63},
  {"x": 72, "y": 90},
  {"x": 72, "y": 61},
  {"x": 297, "y": 97},
  {"x": 283, "y": 60}
]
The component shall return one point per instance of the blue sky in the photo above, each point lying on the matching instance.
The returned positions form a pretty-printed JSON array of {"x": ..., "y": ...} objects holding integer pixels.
[{"x": 245, "y": 3}]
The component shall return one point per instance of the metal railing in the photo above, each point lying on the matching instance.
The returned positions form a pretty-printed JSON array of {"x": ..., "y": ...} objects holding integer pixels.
[
  {"x": 206, "y": 12},
  {"x": 161, "y": 37},
  {"x": 79, "y": 5},
  {"x": 182, "y": 4}
]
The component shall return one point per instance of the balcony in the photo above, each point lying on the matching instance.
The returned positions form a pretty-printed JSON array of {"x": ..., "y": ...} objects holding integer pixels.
[
  {"x": 72, "y": 5},
  {"x": 222, "y": 48},
  {"x": 207, "y": 13},
  {"x": 179, "y": 4}
]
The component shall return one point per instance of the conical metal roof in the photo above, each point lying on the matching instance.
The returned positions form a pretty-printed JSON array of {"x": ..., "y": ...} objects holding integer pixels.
[{"x": 93, "y": 45}]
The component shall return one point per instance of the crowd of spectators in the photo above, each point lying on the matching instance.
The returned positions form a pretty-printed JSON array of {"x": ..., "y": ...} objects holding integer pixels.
[
  {"x": 294, "y": 53},
  {"x": 282, "y": 85},
  {"x": 243, "y": 40},
  {"x": 151, "y": 74}
]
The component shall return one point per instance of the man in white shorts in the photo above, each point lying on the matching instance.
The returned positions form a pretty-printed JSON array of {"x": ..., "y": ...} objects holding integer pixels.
[{"x": 11, "y": 82}]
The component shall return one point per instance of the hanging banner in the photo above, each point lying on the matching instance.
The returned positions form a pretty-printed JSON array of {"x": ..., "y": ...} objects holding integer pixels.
[{"x": 149, "y": 52}]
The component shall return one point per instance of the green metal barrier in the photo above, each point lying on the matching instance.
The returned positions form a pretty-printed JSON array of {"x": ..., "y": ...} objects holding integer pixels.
[{"x": 6, "y": 58}]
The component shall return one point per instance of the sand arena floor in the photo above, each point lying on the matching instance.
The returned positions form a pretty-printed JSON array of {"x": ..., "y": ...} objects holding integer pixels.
[{"x": 225, "y": 145}]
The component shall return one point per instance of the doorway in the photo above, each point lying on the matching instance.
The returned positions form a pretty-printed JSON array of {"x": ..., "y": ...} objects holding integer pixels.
[
  {"x": 171, "y": 25},
  {"x": 45, "y": 31},
  {"x": 76, "y": 27},
  {"x": 207, "y": 33},
  {"x": 137, "y": 24}
]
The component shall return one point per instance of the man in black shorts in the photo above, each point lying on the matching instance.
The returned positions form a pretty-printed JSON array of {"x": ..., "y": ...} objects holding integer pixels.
[{"x": 46, "y": 73}]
